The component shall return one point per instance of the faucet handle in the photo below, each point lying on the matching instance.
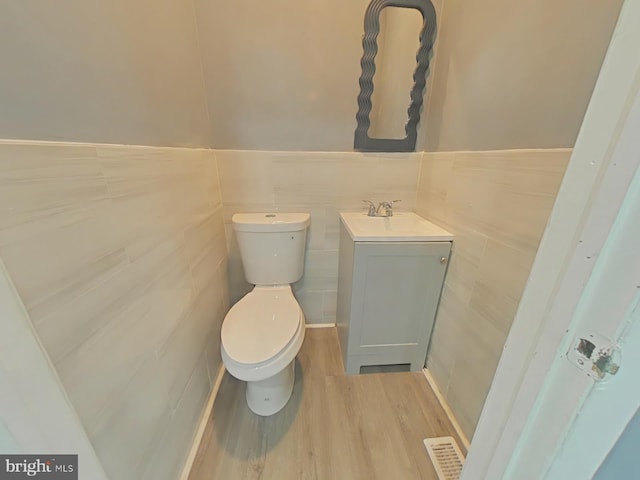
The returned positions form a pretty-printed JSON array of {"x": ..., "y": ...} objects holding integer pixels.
[
  {"x": 372, "y": 208},
  {"x": 389, "y": 203},
  {"x": 388, "y": 207}
]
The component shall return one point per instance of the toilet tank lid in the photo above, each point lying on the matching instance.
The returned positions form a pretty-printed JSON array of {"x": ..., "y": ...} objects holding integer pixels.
[{"x": 270, "y": 222}]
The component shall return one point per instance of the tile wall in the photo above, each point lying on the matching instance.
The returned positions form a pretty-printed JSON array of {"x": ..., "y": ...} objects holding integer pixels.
[
  {"x": 497, "y": 205},
  {"x": 320, "y": 183},
  {"x": 119, "y": 255}
]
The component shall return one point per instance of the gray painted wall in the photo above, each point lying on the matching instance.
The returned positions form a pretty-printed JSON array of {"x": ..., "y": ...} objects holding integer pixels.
[
  {"x": 102, "y": 71},
  {"x": 515, "y": 75},
  {"x": 282, "y": 75}
]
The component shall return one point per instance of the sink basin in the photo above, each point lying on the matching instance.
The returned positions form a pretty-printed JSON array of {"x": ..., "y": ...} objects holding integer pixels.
[{"x": 402, "y": 227}]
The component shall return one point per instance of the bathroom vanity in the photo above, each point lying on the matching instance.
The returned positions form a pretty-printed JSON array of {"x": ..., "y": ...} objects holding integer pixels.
[{"x": 390, "y": 278}]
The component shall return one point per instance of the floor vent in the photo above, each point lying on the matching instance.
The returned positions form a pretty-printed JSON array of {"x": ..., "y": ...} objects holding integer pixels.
[{"x": 445, "y": 456}]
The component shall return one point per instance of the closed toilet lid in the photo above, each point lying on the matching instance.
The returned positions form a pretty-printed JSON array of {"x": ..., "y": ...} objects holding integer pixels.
[{"x": 260, "y": 325}]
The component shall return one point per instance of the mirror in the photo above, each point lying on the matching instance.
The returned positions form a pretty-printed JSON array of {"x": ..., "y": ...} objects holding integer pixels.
[
  {"x": 389, "y": 31},
  {"x": 395, "y": 64}
]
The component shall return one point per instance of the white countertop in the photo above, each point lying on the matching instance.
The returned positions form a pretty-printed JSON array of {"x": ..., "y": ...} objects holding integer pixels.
[{"x": 401, "y": 227}]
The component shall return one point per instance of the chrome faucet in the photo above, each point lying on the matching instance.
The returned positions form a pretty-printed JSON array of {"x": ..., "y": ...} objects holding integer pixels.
[
  {"x": 388, "y": 208},
  {"x": 372, "y": 208},
  {"x": 378, "y": 212}
]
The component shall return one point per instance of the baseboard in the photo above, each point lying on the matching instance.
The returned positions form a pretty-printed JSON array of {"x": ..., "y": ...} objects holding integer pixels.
[
  {"x": 206, "y": 413},
  {"x": 320, "y": 325},
  {"x": 447, "y": 410}
]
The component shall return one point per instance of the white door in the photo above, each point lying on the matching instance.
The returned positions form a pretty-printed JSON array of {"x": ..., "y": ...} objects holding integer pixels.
[
  {"x": 589, "y": 415},
  {"x": 605, "y": 413}
]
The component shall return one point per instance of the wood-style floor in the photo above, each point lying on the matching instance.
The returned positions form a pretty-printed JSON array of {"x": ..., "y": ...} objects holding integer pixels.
[{"x": 335, "y": 426}]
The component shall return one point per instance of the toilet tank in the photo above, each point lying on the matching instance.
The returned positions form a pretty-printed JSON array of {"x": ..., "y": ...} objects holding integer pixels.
[{"x": 271, "y": 246}]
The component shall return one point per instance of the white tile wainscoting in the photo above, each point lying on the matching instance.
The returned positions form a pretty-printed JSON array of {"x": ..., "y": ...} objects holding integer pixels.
[
  {"x": 119, "y": 256},
  {"x": 497, "y": 205}
]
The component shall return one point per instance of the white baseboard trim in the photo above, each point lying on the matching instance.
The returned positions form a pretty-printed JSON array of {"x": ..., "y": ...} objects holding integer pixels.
[
  {"x": 206, "y": 413},
  {"x": 320, "y": 325},
  {"x": 447, "y": 410}
]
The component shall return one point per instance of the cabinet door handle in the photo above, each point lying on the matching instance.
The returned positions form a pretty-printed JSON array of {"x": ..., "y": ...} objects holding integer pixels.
[{"x": 443, "y": 260}]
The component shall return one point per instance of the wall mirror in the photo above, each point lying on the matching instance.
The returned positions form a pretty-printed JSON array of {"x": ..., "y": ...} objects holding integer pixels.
[{"x": 394, "y": 29}]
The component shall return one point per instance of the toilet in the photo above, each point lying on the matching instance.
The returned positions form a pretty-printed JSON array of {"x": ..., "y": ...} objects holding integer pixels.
[{"x": 263, "y": 332}]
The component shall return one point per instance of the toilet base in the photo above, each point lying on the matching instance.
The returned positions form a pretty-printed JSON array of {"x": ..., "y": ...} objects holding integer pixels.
[{"x": 269, "y": 396}]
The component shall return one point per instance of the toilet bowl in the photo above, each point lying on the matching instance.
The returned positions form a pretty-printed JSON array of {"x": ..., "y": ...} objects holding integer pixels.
[
  {"x": 262, "y": 333},
  {"x": 261, "y": 336}
]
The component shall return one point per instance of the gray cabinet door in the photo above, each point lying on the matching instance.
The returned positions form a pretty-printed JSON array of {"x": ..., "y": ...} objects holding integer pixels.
[{"x": 395, "y": 292}]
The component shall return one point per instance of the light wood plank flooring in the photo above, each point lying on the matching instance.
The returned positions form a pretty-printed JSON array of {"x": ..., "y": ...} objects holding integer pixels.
[{"x": 334, "y": 427}]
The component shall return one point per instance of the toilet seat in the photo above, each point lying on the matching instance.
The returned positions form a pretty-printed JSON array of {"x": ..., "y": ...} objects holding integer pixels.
[{"x": 260, "y": 326}]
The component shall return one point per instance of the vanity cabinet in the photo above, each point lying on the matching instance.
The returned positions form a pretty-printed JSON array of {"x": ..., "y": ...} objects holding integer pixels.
[{"x": 388, "y": 293}]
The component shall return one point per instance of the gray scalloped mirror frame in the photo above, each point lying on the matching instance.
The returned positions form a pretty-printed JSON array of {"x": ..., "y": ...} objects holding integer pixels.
[{"x": 362, "y": 142}]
